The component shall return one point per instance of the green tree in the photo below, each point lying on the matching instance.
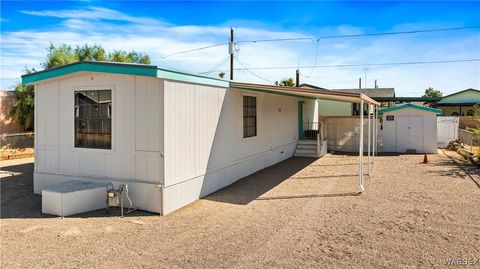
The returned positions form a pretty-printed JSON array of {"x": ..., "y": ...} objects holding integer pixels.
[
  {"x": 62, "y": 55},
  {"x": 287, "y": 82},
  {"x": 23, "y": 109},
  {"x": 65, "y": 54},
  {"x": 430, "y": 92}
]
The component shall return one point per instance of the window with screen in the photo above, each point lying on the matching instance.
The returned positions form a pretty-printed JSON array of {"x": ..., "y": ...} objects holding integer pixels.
[
  {"x": 249, "y": 116},
  {"x": 93, "y": 119}
]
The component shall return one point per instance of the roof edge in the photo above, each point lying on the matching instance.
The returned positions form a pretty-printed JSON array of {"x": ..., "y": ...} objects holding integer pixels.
[
  {"x": 429, "y": 109},
  {"x": 92, "y": 66}
]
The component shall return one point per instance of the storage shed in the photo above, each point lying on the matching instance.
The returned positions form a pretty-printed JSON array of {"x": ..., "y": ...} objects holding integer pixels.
[
  {"x": 173, "y": 137},
  {"x": 410, "y": 128}
]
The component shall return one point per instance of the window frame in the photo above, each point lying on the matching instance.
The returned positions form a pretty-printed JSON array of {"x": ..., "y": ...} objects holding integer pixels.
[
  {"x": 256, "y": 117},
  {"x": 111, "y": 88}
]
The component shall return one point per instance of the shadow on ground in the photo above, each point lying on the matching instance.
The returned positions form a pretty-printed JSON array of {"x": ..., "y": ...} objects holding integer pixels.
[
  {"x": 19, "y": 201},
  {"x": 255, "y": 185}
]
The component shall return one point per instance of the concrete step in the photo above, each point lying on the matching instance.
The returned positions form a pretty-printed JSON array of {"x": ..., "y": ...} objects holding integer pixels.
[
  {"x": 306, "y": 151},
  {"x": 307, "y": 146},
  {"x": 307, "y": 142},
  {"x": 305, "y": 155}
]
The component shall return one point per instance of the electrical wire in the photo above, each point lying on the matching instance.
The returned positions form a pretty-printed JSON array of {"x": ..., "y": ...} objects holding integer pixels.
[
  {"x": 314, "y": 62},
  {"x": 215, "y": 67},
  {"x": 195, "y": 49},
  {"x": 252, "y": 73},
  {"x": 358, "y": 35},
  {"x": 361, "y": 65}
]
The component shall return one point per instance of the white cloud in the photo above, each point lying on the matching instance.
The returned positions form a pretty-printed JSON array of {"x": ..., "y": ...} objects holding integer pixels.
[
  {"x": 90, "y": 13},
  {"x": 95, "y": 25}
]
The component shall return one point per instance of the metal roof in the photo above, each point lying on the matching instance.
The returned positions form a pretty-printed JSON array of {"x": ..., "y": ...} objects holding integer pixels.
[
  {"x": 433, "y": 110},
  {"x": 154, "y": 71},
  {"x": 371, "y": 92},
  {"x": 305, "y": 93},
  {"x": 120, "y": 68},
  {"x": 444, "y": 101}
]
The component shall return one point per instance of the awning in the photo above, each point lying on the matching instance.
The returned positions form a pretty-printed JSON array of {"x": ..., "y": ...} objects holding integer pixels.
[{"x": 305, "y": 93}]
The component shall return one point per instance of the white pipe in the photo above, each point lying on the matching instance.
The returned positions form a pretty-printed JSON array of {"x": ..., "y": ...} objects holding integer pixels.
[
  {"x": 374, "y": 133},
  {"x": 360, "y": 151},
  {"x": 369, "y": 137}
]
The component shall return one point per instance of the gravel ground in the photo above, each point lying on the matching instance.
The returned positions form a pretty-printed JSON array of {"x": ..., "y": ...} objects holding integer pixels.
[{"x": 298, "y": 213}]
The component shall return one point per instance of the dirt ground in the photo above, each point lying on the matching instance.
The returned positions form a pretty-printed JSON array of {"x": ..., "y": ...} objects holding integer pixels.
[{"x": 300, "y": 213}]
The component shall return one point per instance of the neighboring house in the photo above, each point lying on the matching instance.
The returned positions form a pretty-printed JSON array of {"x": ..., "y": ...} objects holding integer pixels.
[
  {"x": 173, "y": 137},
  {"x": 460, "y": 103},
  {"x": 7, "y": 123}
]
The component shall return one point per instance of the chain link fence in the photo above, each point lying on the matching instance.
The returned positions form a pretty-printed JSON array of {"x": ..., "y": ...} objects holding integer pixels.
[
  {"x": 18, "y": 145},
  {"x": 469, "y": 139}
]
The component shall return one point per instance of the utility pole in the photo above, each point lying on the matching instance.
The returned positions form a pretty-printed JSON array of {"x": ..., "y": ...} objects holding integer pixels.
[
  {"x": 297, "y": 78},
  {"x": 231, "y": 50}
]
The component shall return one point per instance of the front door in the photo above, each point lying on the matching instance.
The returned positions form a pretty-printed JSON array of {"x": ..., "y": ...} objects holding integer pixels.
[{"x": 301, "y": 133}]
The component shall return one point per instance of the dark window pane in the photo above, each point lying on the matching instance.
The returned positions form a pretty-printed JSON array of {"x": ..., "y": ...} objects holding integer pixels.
[
  {"x": 104, "y": 96},
  {"x": 93, "y": 125},
  {"x": 249, "y": 116}
]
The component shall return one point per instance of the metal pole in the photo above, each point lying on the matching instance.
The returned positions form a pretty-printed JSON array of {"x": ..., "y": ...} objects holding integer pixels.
[
  {"x": 231, "y": 53},
  {"x": 360, "y": 150},
  {"x": 369, "y": 136},
  {"x": 374, "y": 147}
]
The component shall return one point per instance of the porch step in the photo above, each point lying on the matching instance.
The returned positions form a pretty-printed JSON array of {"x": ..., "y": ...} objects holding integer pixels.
[
  {"x": 306, "y": 155},
  {"x": 306, "y": 148},
  {"x": 307, "y": 142}
]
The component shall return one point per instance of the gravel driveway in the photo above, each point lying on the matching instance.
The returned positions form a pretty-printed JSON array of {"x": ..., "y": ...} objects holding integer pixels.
[{"x": 298, "y": 213}]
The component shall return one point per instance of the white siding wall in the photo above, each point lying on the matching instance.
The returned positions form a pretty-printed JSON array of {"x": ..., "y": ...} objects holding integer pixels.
[
  {"x": 204, "y": 145},
  {"x": 136, "y": 135}
]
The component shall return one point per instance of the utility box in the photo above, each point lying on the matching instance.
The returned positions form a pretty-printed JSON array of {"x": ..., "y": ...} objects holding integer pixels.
[{"x": 74, "y": 197}]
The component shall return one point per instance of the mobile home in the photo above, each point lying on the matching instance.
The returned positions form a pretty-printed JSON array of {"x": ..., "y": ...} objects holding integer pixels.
[{"x": 172, "y": 137}]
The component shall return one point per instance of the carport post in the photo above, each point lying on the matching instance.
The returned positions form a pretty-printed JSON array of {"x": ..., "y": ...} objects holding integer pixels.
[
  {"x": 360, "y": 150},
  {"x": 374, "y": 133},
  {"x": 369, "y": 136}
]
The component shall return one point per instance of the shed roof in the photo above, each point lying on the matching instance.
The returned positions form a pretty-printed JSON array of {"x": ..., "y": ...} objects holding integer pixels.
[{"x": 428, "y": 109}]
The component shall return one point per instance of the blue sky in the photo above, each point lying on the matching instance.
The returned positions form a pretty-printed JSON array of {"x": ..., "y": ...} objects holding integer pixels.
[{"x": 160, "y": 28}]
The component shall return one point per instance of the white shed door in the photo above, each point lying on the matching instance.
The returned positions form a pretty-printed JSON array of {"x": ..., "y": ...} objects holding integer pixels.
[{"x": 409, "y": 131}]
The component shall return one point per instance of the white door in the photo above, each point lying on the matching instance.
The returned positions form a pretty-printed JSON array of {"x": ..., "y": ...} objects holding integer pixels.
[
  {"x": 415, "y": 134},
  {"x": 409, "y": 131},
  {"x": 402, "y": 124}
]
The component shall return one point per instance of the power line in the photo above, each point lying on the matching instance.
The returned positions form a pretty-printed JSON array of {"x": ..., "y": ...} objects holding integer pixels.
[
  {"x": 362, "y": 65},
  {"x": 321, "y": 37},
  {"x": 358, "y": 35},
  {"x": 252, "y": 73},
  {"x": 215, "y": 67},
  {"x": 192, "y": 50},
  {"x": 314, "y": 62}
]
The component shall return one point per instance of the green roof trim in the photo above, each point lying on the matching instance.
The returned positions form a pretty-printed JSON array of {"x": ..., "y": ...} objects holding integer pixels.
[
  {"x": 186, "y": 77},
  {"x": 102, "y": 67},
  {"x": 123, "y": 69},
  {"x": 433, "y": 110}
]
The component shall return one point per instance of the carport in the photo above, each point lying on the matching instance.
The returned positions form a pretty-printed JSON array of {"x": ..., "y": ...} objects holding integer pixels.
[{"x": 368, "y": 106}]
